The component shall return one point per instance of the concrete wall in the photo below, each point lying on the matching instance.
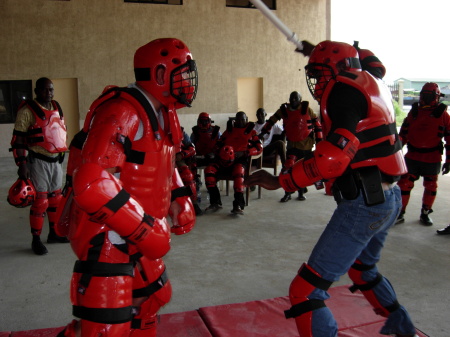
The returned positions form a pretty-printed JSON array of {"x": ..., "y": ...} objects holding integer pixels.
[{"x": 93, "y": 41}]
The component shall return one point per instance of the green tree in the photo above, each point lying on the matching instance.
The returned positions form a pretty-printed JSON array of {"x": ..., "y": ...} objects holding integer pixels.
[{"x": 399, "y": 113}]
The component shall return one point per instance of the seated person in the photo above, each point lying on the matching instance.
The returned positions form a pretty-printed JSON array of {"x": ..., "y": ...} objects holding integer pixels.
[
  {"x": 182, "y": 159},
  {"x": 234, "y": 148},
  {"x": 204, "y": 136},
  {"x": 270, "y": 144}
]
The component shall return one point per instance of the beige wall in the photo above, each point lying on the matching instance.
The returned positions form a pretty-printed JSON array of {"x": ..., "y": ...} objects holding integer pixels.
[{"x": 93, "y": 41}]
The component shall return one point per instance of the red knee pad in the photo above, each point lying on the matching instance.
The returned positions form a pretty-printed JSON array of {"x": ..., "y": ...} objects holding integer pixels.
[
  {"x": 238, "y": 176},
  {"x": 301, "y": 287},
  {"x": 355, "y": 273}
]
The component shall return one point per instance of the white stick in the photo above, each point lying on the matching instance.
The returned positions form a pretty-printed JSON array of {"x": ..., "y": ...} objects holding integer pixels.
[{"x": 291, "y": 36}]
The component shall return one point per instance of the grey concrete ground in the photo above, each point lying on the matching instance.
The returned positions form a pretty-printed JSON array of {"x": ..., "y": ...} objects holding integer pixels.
[{"x": 229, "y": 259}]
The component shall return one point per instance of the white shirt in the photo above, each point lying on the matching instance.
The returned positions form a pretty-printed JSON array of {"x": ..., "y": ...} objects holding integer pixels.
[{"x": 275, "y": 130}]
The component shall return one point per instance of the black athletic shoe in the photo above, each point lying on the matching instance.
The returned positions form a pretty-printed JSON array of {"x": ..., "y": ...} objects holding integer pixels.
[
  {"x": 213, "y": 207},
  {"x": 400, "y": 218},
  {"x": 38, "y": 247},
  {"x": 198, "y": 210},
  {"x": 237, "y": 210},
  {"x": 444, "y": 231},
  {"x": 286, "y": 197},
  {"x": 425, "y": 219}
]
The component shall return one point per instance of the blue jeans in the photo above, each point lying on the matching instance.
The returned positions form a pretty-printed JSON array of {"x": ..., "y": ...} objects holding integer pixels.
[{"x": 357, "y": 231}]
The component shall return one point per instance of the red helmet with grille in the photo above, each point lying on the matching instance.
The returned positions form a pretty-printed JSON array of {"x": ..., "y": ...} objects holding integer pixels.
[
  {"x": 22, "y": 193},
  {"x": 430, "y": 94},
  {"x": 327, "y": 60},
  {"x": 204, "y": 121},
  {"x": 226, "y": 155},
  {"x": 165, "y": 68}
]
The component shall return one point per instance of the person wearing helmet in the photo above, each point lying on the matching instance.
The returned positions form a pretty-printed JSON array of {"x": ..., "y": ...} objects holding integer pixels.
[
  {"x": 38, "y": 146},
  {"x": 303, "y": 130},
  {"x": 184, "y": 160},
  {"x": 362, "y": 152},
  {"x": 422, "y": 131},
  {"x": 204, "y": 136},
  {"x": 124, "y": 184},
  {"x": 237, "y": 144}
]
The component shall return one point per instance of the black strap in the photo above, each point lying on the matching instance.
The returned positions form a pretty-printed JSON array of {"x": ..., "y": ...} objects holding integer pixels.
[
  {"x": 304, "y": 307},
  {"x": 439, "y": 148},
  {"x": 181, "y": 192},
  {"x": 380, "y": 150},
  {"x": 376, "y": 132},
  {"x": 367, "y": 286},
  {"x": 104, "y": 315},
  {"x": 118, "y": 201},
  {"x": 93, "y": 256},
  {"x": 36, "y": 108},
  {"x": 78, "y": 140},
  {"x": 314, "y": 280},
  {"x": 132, "y": 156},
  {"x": 152, "y": 287},
  {"x": 103, "y": 269}
]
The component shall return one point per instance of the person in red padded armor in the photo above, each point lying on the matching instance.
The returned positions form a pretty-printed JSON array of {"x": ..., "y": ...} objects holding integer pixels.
[
  {"x": 427, "y": 123},
  {"x": 204, "y": 136},
  {"x": 303, "y": 130},
  {"x": 362, "y": 152},
  {"x": 38, "y": 146},
  {"x": 122, "y": 178},
  {"x": 237, "y": 144},
  {"x": 184, "y": 161}
]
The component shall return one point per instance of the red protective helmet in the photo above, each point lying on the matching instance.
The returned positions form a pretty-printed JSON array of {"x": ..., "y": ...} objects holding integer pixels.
[
  {"x": 177, "y": 84},
  {"x": 22, "y": 193},
  {"x": 226, "y": 155},
  {"x": 430, "y": 94},
  {"x": 327, "y": 60},
  {"x": 204, "y": 121}
]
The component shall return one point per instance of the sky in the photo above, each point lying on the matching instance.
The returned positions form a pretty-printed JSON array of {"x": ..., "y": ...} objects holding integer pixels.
[{"x": 410, "y": 37}]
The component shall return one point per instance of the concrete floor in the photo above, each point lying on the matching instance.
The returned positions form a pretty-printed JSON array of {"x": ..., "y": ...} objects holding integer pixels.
[{"x": 229, "y": 259}]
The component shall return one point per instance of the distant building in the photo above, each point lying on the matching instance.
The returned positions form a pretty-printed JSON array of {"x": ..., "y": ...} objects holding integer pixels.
[{"x": 416, "y": 84}]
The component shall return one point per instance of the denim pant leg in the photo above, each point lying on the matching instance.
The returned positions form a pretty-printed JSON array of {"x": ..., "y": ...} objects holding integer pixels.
[{"x": 354, "y": 231}]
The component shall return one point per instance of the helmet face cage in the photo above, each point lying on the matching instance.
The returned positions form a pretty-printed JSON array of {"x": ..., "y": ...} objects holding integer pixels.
[
  {"x": 430, "y": 94},
  {"x": 184, "y": 83},
  {"x": 317, "y": 77},
  {"x": 204, "y": 122},
  {"x": 21, "y": 194}
]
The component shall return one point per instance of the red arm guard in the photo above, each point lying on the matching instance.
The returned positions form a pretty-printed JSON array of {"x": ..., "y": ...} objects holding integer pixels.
[
  {"x": 188, "y": 151},
  {"x": 19, "y": 147},
  {"x": 330, "y": 160},
  {"x": 256, "y": 145},
  {"x": 100, "y": 195},
  {"x": 181, "y": 210}
]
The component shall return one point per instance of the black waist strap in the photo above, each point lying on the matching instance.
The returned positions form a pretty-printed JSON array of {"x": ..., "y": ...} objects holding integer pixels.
[
  {"x": 104, "y": 315},
  {"x": 103, "y": 269}
]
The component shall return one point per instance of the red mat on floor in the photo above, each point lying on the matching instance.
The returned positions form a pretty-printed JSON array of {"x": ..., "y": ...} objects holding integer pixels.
[{"x": 263, "y": 318}]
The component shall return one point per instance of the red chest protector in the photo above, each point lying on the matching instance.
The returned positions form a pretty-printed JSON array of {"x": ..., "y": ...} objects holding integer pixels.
[
  {"x": 49, "y": 131},
  {"x": 379, "y": 142},
  {"x": 426, "y": 126},
  {"x": 205, "y": 141},
  {"x": 297, "y": 123},
  {"x": 144, "y": 155},
  {"x": 239, "y": 138}
]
